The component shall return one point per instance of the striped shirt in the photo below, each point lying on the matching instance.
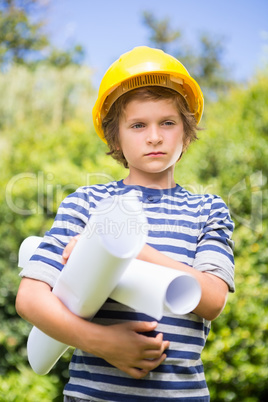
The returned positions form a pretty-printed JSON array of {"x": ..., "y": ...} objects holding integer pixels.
[{"x": 193, "y": 229}]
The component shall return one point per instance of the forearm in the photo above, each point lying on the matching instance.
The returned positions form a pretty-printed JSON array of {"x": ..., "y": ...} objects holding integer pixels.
[
  {"x": 38, "y": 305},
  {"x": 121, "y": 345},
  {"x": 214, "y": 290}
]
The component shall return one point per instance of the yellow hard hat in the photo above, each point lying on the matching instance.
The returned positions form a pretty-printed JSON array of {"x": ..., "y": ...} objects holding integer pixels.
[{"x": 145, "y": 66}]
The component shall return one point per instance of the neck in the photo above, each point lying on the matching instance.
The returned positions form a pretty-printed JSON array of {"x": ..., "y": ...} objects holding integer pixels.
[{"x": 162, "y": 180}]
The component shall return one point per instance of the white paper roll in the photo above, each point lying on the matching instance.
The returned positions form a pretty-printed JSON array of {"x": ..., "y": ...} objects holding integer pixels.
[
  {"x": 27, "y": 249},
  {"x": 109, "y": 241},
  {"x": 152, "y": 289},
  {"x": 102, "y": 265},
  {"x": 43, "y": 351}
]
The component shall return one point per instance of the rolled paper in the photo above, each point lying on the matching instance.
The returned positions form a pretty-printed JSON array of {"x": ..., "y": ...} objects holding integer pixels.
[
  {"x": 27, "y": 249},
  {"x": 43, "y": 351},
  {"x": 103, "y": 264},
  {"x": 152, "y": 289},
  {"x": 109, "y": 241}
]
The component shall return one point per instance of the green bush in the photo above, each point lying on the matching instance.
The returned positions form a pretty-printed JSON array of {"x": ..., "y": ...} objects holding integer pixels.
[
  {"x": 40, "y": 163},
  {"x": 26, "y": 386},
  {"x": 230, "y": 159}
]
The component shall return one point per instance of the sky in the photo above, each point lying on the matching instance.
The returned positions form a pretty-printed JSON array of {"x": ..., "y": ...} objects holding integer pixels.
[{"x": 108, "y": 28}]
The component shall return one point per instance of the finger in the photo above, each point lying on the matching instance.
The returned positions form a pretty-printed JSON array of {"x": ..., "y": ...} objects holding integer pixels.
[
  {"x": 143, "y": 326},
  {"x": 164, "y": 344},
  {"x": 69, "y": 248},
  {"x": 153, "y": 354},
  {"x": 156, "y": 353},
  {"x": 137, "y": 373},
  {"x": 153, "y": 343},
  {"x": 151, "y": 364}
]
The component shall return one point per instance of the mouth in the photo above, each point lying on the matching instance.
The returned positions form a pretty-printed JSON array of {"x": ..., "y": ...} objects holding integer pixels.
[{"x": 155, "y": 154}]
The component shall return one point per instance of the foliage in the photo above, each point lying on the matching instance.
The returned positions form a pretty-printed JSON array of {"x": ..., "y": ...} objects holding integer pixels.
[
  {"x": 24, "y": 39},
  {"x": 48, "y": 148},
  {"x": 19, "y": 35},
  {"x": 236, "y": 354},
  {"x": 64, "y": 58},
  {"x": 32, "y": 387},
  {"x": 230, "y": 159},
  {"x": 206, "y": 63},
  {"x": 45, "y": 97},
  {"x": 161, "y": 32}
]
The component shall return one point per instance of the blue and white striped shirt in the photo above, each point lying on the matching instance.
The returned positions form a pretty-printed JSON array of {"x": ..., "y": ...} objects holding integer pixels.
[{"x": 193, "y": 229}]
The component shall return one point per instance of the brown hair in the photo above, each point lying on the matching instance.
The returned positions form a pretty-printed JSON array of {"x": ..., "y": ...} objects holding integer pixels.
[{"x": 110, "y": 123}]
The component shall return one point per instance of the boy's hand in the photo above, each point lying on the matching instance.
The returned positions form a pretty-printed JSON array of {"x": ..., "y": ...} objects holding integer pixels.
[
  {"x": 123, "y": 345},
  {"x": 130, "y": 351},
  {"x": 68, "y": 249}
]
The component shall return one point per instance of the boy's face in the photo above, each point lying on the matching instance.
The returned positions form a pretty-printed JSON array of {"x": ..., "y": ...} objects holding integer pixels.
[{"x": 151, "y": 138}]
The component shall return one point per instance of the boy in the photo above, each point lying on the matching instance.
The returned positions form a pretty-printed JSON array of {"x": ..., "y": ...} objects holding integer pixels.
[{"x": 147, "y": 111}]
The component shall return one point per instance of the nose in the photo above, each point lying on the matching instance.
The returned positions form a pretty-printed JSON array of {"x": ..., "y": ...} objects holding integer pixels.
[{"x": 154, "y": 135}]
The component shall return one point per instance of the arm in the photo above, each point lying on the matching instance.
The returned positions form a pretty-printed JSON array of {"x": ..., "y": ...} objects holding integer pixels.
[
  {"x": 120, "y": 345},
  {"x": 214, "y": 290}
]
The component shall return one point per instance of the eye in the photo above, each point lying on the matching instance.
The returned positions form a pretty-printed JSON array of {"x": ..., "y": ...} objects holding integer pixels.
[
  {"x": 168, "y": 123},
  {"x": 137, "y": 125}
]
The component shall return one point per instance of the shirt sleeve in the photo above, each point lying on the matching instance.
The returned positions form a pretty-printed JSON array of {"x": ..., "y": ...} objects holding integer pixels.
[
  {"x": 45, "y": 264},
  {"x": 214, "y": 253}
]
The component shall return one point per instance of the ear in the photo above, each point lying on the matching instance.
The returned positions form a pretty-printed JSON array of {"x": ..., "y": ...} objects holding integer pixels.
[{"x": 117, "y": 145}]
